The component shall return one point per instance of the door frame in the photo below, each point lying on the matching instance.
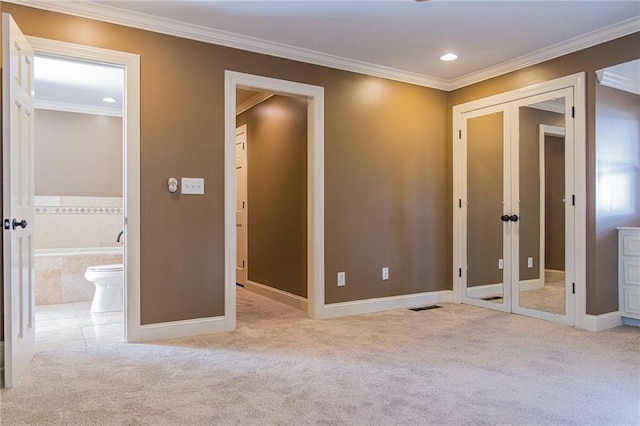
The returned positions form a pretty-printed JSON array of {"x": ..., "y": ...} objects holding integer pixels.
[
  {"x": 131, "y": 162},
  {"x": 315, "y": 185},
  {"x": 577, "y": 82}
]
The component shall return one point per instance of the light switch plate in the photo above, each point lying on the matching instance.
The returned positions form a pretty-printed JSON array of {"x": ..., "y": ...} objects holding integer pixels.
[{"x": 193, "y": 186}]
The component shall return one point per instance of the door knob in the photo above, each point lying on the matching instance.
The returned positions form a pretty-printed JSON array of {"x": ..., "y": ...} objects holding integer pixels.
[
  {"x": 22, "y": 224},
  {"x": 513, "y": 218},
  {"x": 505, "y": 218}
]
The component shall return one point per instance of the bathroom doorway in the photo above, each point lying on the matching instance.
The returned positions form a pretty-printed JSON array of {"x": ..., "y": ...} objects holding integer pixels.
[{"x": 78, "y": 201}]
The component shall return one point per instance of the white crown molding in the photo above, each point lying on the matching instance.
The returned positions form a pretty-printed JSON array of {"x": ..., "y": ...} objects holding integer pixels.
[
  {"x": 77, "y": 108},
  {"x": 594, "y": 38},
  {"x": 172, "y": 27},
  {"x": 253, "y": 101},
  {"x": 86, "y": 9},
  {"x": 618, "y": 81}
]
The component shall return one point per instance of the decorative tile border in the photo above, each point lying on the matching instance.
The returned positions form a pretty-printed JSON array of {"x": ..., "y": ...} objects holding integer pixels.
[{"x": 78, "y": 210}]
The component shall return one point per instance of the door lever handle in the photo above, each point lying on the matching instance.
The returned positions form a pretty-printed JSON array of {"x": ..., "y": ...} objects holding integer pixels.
[
  {"x": 22, "y": 224},
  {"x": 514, "y": 218}
]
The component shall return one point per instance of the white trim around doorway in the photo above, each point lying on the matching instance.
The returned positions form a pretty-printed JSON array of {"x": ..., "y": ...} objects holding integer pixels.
[
  {"x": 315, "y": 186},
  {"x": 131, "y": 157}
]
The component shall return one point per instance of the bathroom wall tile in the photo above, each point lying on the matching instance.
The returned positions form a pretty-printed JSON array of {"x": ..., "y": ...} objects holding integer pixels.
[
  {"x": 49, "y": 232},
  {"x": 45, "y": 263},
  {"x": 79, "y": 264},
  {"x": 76, "y": 288},
  {"x": 109, "y": 227},
  {"x": 115, "y": 258},
  {"x": 48, "y": 287}
]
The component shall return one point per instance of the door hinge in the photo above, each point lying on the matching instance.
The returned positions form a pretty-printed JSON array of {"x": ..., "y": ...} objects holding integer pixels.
[
  {"x": 573, "y": 199},
  {"x": 459, "y": 134},
  {"x": 573, "y": 112},
  {"x": 7, "y": 224},
  {"x": 573, "y": 288},
  {"x": 460, "y": 272}
]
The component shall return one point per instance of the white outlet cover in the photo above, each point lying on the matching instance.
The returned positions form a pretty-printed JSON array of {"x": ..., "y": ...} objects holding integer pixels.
[
  {"x": 341, "y": 279},
  {"x": 192, "y": 186}
]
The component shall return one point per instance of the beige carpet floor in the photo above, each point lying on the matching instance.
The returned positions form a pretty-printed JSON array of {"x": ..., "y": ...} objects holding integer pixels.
[{"x": 454, "y": 365}]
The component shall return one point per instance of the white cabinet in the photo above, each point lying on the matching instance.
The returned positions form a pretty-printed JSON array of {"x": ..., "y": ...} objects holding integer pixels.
[{"x": 629, "y": 275}]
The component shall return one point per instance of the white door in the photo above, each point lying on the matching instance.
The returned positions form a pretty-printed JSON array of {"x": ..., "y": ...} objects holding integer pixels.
[
  {"x": 18, "y": 212},
  {"x": 241, "y": 204},
  {"x": 506, "y": 213}
]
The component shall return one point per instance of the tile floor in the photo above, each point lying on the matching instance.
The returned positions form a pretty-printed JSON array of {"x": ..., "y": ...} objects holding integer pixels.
[{"x": 71, "y": 325}]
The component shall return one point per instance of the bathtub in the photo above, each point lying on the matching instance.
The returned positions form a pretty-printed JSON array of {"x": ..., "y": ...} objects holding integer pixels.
[
  {"x": 59, "y": 272},
  {"x": 79, "y": 251}
]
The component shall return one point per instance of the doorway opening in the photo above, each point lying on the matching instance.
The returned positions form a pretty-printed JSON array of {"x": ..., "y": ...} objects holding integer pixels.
[
  {"x": 313, "y": 97},
  {"x": 271, "y": 203},
  {"x": 78, "y": 201}
]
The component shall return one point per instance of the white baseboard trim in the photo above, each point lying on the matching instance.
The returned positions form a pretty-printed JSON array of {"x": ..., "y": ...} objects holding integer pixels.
[
  {"x": 602, "y": 322},
  {"x": 343, "y": 309},
  {"x": 487, "y": 290},
  {"x": 186, "y": 328},
  {"x": 533, "y": 284},
  {"x": 631, "y": 322},
  {"x": 292, "y": 300}
]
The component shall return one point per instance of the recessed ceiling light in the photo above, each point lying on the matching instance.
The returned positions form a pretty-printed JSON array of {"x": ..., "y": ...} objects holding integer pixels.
[
  {"x": 108, "y": 100},
  {"x": 449, "y": 57}
]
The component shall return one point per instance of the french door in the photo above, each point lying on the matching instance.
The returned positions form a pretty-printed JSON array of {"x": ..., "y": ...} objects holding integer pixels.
[{"x": 516, "y": 206}]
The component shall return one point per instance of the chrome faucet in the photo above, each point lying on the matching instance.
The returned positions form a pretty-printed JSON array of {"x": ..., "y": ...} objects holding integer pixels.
[{"x": 119, "y": 236}]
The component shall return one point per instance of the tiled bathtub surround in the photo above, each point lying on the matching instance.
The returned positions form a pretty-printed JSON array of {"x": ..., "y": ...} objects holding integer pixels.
[
  {"x": 63, "y": 222},
  {"x": 64, "y": 226}
]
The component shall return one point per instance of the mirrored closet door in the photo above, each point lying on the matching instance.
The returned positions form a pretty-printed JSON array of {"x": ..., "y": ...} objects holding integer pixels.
[{"x": 517, "y": 206}]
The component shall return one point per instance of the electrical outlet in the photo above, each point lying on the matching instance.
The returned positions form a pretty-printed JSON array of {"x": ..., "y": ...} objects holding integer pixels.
[
  {"x": 500, "y": 263},
  {"x": 530, "y": 262},
  {"x": 385, "y": 273},
  {"x": 341, "y": 279}
]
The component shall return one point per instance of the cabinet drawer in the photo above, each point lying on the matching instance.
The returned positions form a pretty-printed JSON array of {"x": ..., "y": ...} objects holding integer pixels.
[
  {"x": 631, "y": 245},
  {"x": 632, "y": 301},
  {"x": 631, "y": 269}
]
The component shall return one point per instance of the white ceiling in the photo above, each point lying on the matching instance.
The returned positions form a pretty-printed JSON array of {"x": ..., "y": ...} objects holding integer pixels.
[
  {"x": 398, "y": 39},
  {"x": 402, "y": 36}
]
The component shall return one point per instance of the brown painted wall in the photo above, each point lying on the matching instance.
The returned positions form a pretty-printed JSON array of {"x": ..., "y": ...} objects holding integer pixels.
[
  {"x": 77, "y": 154},
  {"x": 277, "y": 193},
  {"x": 554, "y": 207},
  {"x": 601, "y": 296},
  {"x": 617, "y": 158},
  {"x": 387, "y": 174}
]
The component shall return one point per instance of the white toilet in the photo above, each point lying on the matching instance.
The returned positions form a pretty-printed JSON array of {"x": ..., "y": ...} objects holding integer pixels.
[{"x": 108, "y": 280}]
